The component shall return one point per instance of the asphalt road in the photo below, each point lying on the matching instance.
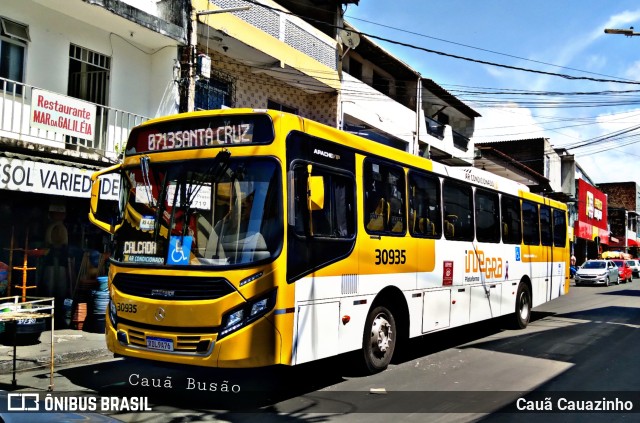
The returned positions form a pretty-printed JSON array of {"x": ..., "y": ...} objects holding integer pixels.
[{"x": 579, "y": 350}]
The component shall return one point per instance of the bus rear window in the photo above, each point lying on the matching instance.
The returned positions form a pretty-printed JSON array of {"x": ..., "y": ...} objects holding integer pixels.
[{"x": 201, "y": 132}]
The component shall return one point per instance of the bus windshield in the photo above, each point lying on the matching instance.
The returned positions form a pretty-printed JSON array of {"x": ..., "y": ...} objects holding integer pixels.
[{"x": 212, "y": 212}]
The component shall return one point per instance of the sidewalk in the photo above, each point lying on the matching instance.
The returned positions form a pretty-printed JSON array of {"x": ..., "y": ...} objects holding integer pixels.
[{"x": 69, "y": 346}]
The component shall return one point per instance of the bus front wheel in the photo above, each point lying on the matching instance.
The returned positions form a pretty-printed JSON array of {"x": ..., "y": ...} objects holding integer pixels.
[
  {"x": 378, "y": 341},
  {"x": 523, "y": 306}
]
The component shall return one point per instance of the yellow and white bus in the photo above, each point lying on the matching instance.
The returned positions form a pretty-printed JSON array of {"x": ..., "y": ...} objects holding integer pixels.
[{"x": 245, "y": 238}]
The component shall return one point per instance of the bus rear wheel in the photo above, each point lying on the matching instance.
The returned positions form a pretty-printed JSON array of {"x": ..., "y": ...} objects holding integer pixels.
[
  {"x": 523, "y": 306},
  {"x": 378, "y": 340}
]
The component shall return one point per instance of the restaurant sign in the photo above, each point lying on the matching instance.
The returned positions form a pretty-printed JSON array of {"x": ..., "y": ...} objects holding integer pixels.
[{"x": 63, "y": 114}]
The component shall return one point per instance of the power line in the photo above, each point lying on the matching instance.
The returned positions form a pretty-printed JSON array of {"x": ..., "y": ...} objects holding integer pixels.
[
  {"x": 617, "y": 98},
  {"x": 454, "y": 56},
  {"x": 485, "y": 50}
]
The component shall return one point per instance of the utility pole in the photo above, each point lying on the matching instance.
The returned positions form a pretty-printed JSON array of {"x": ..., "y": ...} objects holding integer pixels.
[
  {"x": 627, "y": 32},
  {"x": 193, "y": 50}
]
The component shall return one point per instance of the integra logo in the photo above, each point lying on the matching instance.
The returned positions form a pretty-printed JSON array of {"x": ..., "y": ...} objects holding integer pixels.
[{"x": 326, "y": 154}]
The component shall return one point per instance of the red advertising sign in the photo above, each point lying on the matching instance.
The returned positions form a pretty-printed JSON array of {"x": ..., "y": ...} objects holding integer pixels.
[
  {"x": 592, "y": 205},
  {"x": 447, "y": 273}
]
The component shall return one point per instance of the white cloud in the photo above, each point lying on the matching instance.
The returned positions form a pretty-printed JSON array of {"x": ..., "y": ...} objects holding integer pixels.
[
  {"x": 506, "y": 122},
  {"x": 623, "y": 18},
  {"x": 595, "y": 62},
  {"x": 633, "y": 71},
  {"x": 611, "y": 122},
  {"x": 612, "y": 161}
]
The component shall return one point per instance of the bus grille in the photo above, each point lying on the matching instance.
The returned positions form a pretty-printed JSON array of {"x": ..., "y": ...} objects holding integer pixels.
[
  {"x": 184, "y": 343},
  {"x": 177, "y": 288}
]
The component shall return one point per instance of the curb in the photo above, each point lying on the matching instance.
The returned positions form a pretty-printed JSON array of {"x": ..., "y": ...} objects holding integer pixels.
[{"x": 42, "y": 362}]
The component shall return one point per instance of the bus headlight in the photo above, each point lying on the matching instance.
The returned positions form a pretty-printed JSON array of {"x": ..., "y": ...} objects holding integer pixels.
[
  {"x": 258, "y": 307},
  {"x": 112, "y": 312},
  {"x": 250, "y": 312}
]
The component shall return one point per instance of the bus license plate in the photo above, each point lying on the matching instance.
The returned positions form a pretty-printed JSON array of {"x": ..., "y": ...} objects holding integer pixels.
[{"x": 163, "y": 344}]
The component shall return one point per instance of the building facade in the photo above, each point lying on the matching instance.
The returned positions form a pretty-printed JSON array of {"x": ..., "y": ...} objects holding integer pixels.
[
  {"x": 75, "y": 76},
  {"x": 624, "y": 209}
]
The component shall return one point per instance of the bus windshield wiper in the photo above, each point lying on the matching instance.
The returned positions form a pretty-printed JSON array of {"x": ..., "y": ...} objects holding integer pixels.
[
  {"x": 144, "y": 167},
  {"x": 192, "y": 187},
  {"x": 160, "y": 208}
]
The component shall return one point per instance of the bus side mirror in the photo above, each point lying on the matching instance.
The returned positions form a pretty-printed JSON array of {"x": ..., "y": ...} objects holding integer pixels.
[{"x": 104, "y": 210}]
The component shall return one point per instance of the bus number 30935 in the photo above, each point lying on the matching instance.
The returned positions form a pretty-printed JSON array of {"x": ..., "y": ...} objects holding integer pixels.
[{"x": 391, "y": 256}]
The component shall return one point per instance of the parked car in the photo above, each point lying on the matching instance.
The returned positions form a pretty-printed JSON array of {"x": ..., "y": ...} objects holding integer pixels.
[
  {"x": 626, "y": 274},
  {"x": 594, "y": 272},
  {"x": 635, "y": 267}
]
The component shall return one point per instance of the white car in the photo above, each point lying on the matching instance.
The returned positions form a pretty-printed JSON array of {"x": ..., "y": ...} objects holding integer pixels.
[
  {"x": 635, "y": 267},
  {"x": 595, "y": 272}
]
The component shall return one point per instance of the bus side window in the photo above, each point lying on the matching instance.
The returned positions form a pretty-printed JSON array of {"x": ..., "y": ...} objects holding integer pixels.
[
  {"x": 376, "y": 205},
  {"x": 530, "y": 215},
  {"x": 424, "y": 203},
  {"x": 458, "y": 211},
  {"x": 511, "y": 227},
  {"x": 559, "y": 228},
  {"x": 546, "y": 231},
  {"x": 396, "y": 202},
  {"x": 487, "y": 216},
  {"x": 384, "y": 198},
  {"x": 336, "y": 218}
]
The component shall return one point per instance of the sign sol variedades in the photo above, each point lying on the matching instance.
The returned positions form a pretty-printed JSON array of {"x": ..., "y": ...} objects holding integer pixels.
[
  {"x": 62, "y": 114},
  {"x": 45, "y": 178}
]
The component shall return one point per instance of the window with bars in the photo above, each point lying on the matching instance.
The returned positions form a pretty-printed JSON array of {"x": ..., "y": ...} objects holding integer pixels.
[
  {"x": 212, "y": 93},
  {"x": 274, "y": 105},
  {"x": 89, "y": 76}
]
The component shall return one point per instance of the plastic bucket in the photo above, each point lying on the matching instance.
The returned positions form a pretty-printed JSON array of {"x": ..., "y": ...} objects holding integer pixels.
[{"x": 103, "y": 283}]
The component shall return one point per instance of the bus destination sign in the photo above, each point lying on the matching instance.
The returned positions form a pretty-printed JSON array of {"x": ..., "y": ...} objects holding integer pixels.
[
  {"x": 201, "y": 133},
  {"x": 201, "y": 137}
]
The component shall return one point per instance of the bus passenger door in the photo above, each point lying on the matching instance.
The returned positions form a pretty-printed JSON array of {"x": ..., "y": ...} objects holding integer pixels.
[
  {"x": 321, "y": 211},
  {"x": 546, "y": 251}
]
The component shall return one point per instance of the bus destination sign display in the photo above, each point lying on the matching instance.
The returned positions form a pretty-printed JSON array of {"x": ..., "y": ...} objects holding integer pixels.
[
  {"x": 201, "y": 137},
  {"x": 201, "y": 133}
]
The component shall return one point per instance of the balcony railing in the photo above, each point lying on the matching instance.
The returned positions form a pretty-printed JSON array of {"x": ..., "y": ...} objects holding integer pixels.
[
  {"x": 289, "y": 29},
  {"x": 435, "y": 128},
  {"x": 112, "y": 126},
  {"x": 460, "y": 141}
]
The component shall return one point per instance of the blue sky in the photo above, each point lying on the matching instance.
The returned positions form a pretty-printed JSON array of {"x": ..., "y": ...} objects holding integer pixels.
[{"x": 562, "y": 36}]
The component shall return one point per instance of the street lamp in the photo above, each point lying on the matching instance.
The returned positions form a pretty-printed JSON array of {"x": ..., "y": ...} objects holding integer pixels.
[{"x": 628, "y": 32}]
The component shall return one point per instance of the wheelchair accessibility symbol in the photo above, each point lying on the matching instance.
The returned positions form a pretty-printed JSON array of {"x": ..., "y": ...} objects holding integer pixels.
[{"x": 179, "y": 249}]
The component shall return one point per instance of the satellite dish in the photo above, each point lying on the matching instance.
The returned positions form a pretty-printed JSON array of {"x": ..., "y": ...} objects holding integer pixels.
[{"x": 349, "y": 38}]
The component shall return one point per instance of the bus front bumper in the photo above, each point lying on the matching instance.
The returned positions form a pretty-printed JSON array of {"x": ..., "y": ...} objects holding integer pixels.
[{"x": 256, "y": 345}]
